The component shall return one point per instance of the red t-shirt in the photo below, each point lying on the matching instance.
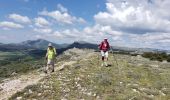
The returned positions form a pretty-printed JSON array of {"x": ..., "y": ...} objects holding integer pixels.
[{"x": 104, "y": 46}]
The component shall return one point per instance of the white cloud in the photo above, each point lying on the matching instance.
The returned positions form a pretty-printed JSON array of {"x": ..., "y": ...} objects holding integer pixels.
[
  {"x": 9, "y": 25},
  {"x": 101, "y": 31},
  {"x": 43, "y": 30},
  {"x": 68, "y": 33},
  {"x": 41, "y": 22},
  {"x": 129, "y": 23},
  {"x": 80, "y": 20},
  {"x": 57, "y": 34},
  {"x": 62, "y": 17},
  {"x": 133, "y": 23},
  {"x": 38, "y": 36},
  {"x": 61, "y": 8},
  {"x": 91, "y": 34},
  {"x": 165, "y": 41},
  {"x": 154, "y": 37},
  {"x": 98, "y": 32},
  {"x": 4, "y": 37},
  {"x": 151, "y": 40},
  {"x": 132, "y": 17},
  {"x": 19, "y": 18}
]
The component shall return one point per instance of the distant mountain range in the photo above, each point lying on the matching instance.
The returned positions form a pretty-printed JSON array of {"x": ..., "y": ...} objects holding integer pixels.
[
  {"x": 42, "y": 44},
  {"x": 83, "y": 45},
  {"x": 29, "y": 45}
]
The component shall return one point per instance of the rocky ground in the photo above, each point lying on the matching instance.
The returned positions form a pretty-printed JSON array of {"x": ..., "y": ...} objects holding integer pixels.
[{"x": 80, "y": 76}]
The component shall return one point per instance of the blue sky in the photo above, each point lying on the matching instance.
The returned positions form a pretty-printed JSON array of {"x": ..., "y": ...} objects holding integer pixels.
[
  {"x": 132, "y": 23},
  {"x": 82, "y": 8}
]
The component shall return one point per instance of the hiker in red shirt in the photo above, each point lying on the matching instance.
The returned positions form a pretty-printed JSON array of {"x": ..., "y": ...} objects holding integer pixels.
[{"x": 104, "y": 48}]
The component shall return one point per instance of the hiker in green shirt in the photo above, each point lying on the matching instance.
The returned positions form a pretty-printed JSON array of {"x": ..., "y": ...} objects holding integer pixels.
[{"x": 50, "y": 57}]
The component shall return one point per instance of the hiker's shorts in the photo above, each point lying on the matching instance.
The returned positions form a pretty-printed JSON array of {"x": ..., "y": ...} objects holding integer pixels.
[
  {"x": 104, "y": 53},
  {"x": 50, "y": 62}
]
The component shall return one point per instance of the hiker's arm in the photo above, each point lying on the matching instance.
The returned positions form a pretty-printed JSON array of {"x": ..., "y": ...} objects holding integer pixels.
[
  {"x": 46, "y": 56},
  {"x": 108, "y": 46},
  {"x": 55, "y": 52},
  {"x": 100, "y": 46}
]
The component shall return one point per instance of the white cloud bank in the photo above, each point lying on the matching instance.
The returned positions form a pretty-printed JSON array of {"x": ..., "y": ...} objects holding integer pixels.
[
  {"x": 132, "y": 17},
  {"x": 62, "y": 16},
  {"x": 41, "y": 22},
  {"x": 132, "y": 23},
  {"x": 9, "y": 25},
  {"x": 43, "y": 30},
  {"x": 62, "y": 8},
  {"x": 135, "y": 23},
  {"x": 143, "y": 22},
  {"x": 19, "y": 18}
]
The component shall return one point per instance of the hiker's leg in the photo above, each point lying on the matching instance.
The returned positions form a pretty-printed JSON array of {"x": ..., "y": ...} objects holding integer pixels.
[
  {"x": 102, "y": 58},
  {"x": 47, "y": 68},
  {"x": 106, "y": 55},
  {"x": 102, "y": 53},
  {"x": 52, "y": 65},
  {"x": 106, "y": 58},
  {"x": 48, "y": 65}
]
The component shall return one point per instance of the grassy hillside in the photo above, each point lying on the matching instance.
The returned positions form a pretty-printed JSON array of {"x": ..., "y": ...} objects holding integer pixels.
[
  {"x": 17, "y": 62},
  {"x": 135, "y": 78},
  {"x": 6, "y": 55},
  {"x": 12, "y": 63}
]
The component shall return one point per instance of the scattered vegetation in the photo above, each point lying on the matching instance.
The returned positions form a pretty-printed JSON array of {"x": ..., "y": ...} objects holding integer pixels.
[
  {"x": 157, "y": 56},
  {"x": 87, "y": 80},
  {"x": 15, "y": 63}
]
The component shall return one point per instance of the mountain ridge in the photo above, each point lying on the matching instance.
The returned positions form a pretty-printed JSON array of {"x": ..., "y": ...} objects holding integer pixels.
[{"x": 43, "y": 44}]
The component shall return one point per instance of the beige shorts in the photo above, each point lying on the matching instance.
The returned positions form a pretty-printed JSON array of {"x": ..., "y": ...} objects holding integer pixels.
[
  {"x": 50, "y": 62},
  {"x": 104, "y": 54}
]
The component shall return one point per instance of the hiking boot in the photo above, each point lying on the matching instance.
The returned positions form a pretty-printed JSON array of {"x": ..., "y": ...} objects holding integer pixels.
[
  {"x": 45, "y": 71},
  {"x": 106, "y": 64},
  {"x": 52, "y": 71}
]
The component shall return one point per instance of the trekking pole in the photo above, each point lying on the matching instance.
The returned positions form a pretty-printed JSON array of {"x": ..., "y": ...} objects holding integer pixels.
[
  {"x": 114, "y": 56},
  {"x": 98, "y": 57},
  {"x": 45, "y": 65},
  {"x": 98, "y": 51},
  {"x": 117, "y": 66}
]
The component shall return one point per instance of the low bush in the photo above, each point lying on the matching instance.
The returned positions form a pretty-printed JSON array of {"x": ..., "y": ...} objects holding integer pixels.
[{"x": 156, "y": 56}]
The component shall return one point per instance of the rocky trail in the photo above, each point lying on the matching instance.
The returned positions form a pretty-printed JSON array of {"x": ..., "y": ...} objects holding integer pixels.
[
  {"x": 13, "y": 85},
  {"x": 10, "y": 86}
]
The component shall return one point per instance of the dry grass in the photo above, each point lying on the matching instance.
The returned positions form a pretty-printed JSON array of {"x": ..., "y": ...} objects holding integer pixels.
[{"x": 87, "y": 80}]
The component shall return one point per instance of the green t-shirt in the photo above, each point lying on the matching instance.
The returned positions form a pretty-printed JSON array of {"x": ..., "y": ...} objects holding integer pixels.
[{"x": 51, "y": 53}]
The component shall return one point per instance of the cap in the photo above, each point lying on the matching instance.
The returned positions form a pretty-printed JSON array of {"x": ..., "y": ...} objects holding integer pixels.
[{"x": 50, "y": 45}]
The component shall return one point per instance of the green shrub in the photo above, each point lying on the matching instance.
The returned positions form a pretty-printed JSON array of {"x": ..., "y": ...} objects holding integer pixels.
[
  {"x": 4, "y": 62},
  {"x": 159, "y": 58},
  {"x": 168, "y": 59},
  {"x": 156, "y": 56}
]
